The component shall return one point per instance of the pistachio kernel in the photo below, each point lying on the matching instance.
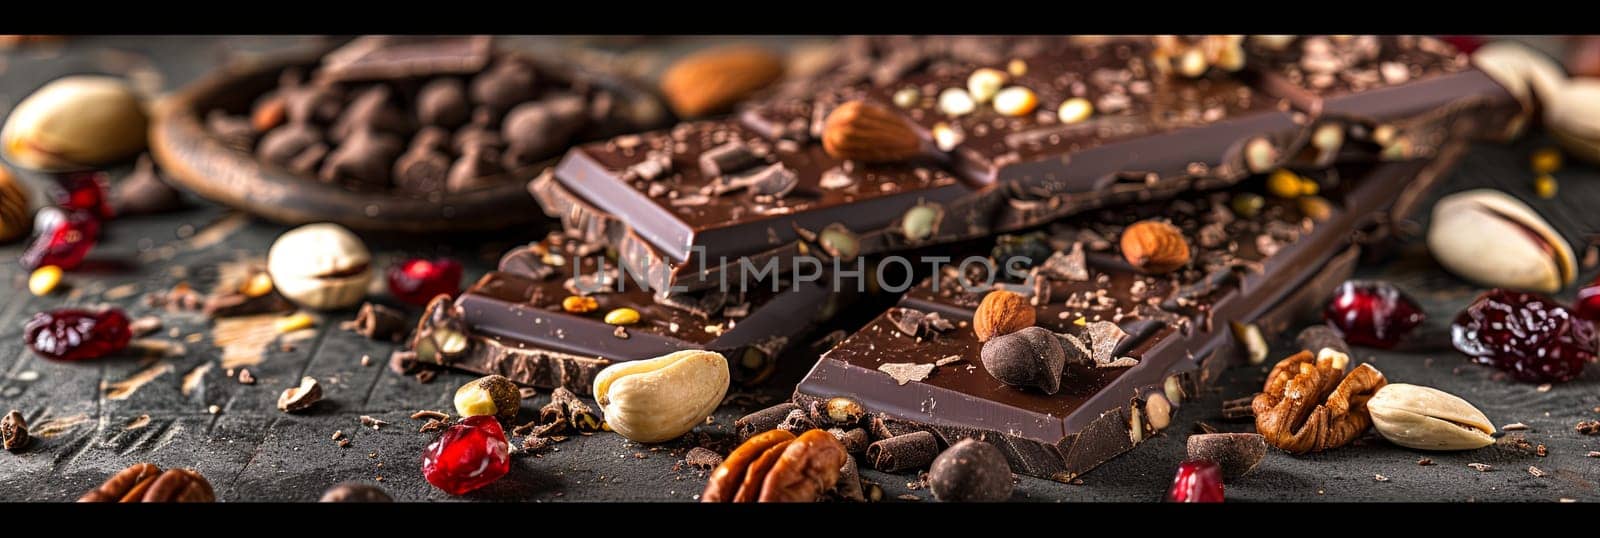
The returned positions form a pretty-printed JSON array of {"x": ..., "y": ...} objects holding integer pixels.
[
  {"x": 919, "y": 222},
  {"x": 839, "y": 242},
  {"x": 1247, "y": 204},
  {"x": 580, "y": 304}
]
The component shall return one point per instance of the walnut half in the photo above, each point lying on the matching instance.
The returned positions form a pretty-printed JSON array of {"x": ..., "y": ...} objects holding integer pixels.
[{"x": 1310, "y": 405}]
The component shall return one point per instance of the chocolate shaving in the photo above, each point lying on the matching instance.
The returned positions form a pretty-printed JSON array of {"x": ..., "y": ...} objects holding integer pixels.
[
  {"x": 903, "y": 452},
  {"x": 797, "y": 422},
  {"x": 566, "y": 407},
  {"x": 378, "y": 322},
  {"x": 1070, "y": 265},
  {"x": 916, "y": 323},
  {"x": 762, "y": 421},
  {"x": 906, "y": 372},
  {"x": 1104, "y": 336},
  {"x": 727, "y": 159}
]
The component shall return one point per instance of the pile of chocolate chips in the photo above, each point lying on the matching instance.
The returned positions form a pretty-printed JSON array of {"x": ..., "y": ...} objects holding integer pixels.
[{"x": 420, "y": 134}]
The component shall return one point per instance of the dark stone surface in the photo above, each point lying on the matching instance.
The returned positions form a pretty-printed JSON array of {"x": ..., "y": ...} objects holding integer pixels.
[{"x": 252, "y": 452}]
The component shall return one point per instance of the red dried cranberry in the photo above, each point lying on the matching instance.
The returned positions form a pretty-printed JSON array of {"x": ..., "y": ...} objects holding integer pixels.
[
  {"x": 84, "y": 191},
  {"x": 1372, "y": 313},
  {"x": 1588, "y": 304},
  {"x": 417, "y": 281},
  {"x": 1198, "y": 481},
  {"x": 64, "y": 246},
  {"x": 1464, "y": 43},
  {"x": 467, "y": 456},
  {"x": 71, "y": 335},
  {"x": 1527, "y": 335}
]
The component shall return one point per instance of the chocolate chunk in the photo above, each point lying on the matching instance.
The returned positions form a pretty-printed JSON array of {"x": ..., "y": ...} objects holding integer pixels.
[
  {"x": 702, "y": 458},
  {"x": 14, "y": 431},
  {"x": 536, "y": 130},
  {"x": 775, "y": 180},
  {"x": 1236, "y": 453},
  {"x": 233, "y": 131},
  {"x": 282, "y": 145},
  {"x": 443, "y": 103},
  {"x": 508, "y": 82},
  {"x": 1317, "y": 337},
  {"x": 1031, "y": 357},
  {"x": 481, "y": 132},
  {"x": 527, "y": 261},
  {"x": 903, "y": 452},
  {"x": 855, "y": 440},
  {"x": 363, "y": 161},
  {"x": 431, "y": 137},
  {"x": 1104, "y": 336},
  {"x": 476, "y": 169},
  {"x": 653, "y": 167},
  {"x": 727, "y": 159},
  {"x": 143, "y": 192},
  {"x": 421, "y": 171},
  {"x": 848, "y": 488},
  {"x": 1069, "y": 265},
  {"x": 379, "y": 322},
  {"x": 797, "y": 422},
  {"x": 371, "y": 110},
  {"x": 764, "y": 420},
  {"x": 970, "y": 471},
  {"x": 387, "y": 57}
]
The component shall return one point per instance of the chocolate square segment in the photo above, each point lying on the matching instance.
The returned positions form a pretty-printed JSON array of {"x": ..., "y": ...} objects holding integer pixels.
[
  {"x": 691, "y": 208},
  {"x": 1143, "y": 123},
  {"x": 1270, "y": 269}
]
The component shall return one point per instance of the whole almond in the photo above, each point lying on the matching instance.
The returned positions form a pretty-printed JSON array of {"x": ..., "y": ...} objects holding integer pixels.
[
  {"x": 867, "y": 132},
  {"x": 712, "y": 81},
  {"x": 1001, "y": 312},
  {"x": 1155, "y": 246}
]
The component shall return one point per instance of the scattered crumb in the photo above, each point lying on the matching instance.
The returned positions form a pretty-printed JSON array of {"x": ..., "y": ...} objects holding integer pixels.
[
  {"x": 214, "y": 409},
  {"x": 245, "y": 378},
  {"x": 1566, "y": 500},
  {"x": 1425, "y": 461},
  {"x": 138, "y": 422},
  {"x": 1594, "y": 454},
  {"x": 344, "y": 443},
  {"x": 948, "y": 360},
  {"x": 1535, "y": 471},
  {"x": 1589, "y": 427},
  {"x": 1481, "y": 467},
  {"x": 1515, "y": 426},
  {"x": 1380, "y": 478},
  {"x": 372, "y": 422},
  {"x": 366, "y": 360},
  {"x": 429, "y": 414},
  {"x": 1542, "y": 388}
]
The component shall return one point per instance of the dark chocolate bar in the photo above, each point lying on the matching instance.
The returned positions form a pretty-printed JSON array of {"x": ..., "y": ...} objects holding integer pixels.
[
  {"x": 1269, "y": 269},
  {"x": 1149, "y": 138}
]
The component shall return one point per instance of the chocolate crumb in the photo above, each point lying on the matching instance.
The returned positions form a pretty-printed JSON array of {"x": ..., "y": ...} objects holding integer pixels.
[
  {"x": 426, "y": 376},
  {"x": 1535, "y": 471},
  {"x": 1515, "y": 426},
  {"x": 1425, "y": 462},
  {"x": 1589, "y": 427},
  {"x": 429, "y": 414},
  {"x": 372, "y": 422},
  {"x": 344, "y": 443},
  {"x": 1481, "y": 467},
  {"x": 702, "y": 458},
  {"x": 431, "y": 425}
]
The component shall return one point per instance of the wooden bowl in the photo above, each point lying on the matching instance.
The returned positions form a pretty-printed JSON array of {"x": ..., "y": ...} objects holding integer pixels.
[{"x": 198, "y": 161}]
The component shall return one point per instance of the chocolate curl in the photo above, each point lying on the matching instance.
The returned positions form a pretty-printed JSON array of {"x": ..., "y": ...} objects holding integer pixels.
[
  {"x": 762, "y": 421},
  {"x": 797, "y": 422},
  {"x": 902, "y": 452},
  {"x": 849, "y": 486},
  {"x": 578, "y": 413},
  {"x": 855, "y": 440},
  {"x": 378, "y": 322},
  {"x": 884, "y": 428}
]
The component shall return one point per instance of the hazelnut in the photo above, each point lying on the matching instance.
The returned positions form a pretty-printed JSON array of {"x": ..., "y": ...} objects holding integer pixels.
[
  {"x": 296, "y": 399},
  {"x": 492, "y": 395},
  {"x": 1030, "y": 357},
  {"x": 1001, "y": 312},
  {"x": 970, "y": 471},
  {"x": 1154, "y": 246},
  {"x": 320, "y": 266},
  {"x": 75, "y": 122}
]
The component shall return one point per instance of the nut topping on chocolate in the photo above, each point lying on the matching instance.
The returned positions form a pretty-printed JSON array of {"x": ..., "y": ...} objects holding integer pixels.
[
  {"x": 1155, "y": 247},
  {"x": 867, "y": 132},
  {"x": 1001, "y": 312}
]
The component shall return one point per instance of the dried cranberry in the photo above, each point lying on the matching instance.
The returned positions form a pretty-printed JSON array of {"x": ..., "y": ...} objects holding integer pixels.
[
  {"x": 71, "y": 335},
  {"x": 417, "y": 281},
  {"x": 64, "y": 246},
  {"x": 84, "y": 191},
  {"x": 1464, "y": 43},
  {"x": 1527, "y": 335},
  {"x": 1372, "y": 313},
  {"x": 467, "y": 456},
  {"x": 1198, "y": 481}
]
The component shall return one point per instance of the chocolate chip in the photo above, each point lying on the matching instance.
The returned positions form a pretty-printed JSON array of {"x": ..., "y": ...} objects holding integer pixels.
[
  {"x": 477, "y": 168},
  {"x": 355, "y": 492},
  {"x": 364, "y": 160},
  {"x": 143, "y": 192},
  {"x": 14, "y": 431},
  {"x": 1317, "y": 337},
  {"x": 727, "y": 159},
  {"x": 280, "y": 146},
  {"x": 1236, "y": 453},
  {"x": 1032, "y": 357},
  {"x": 371, "y": 110},
  {"x": 421, "y": 171},
  {"x": 508, "y": 82},
  {"x": 443, "y": 102},
  {"x": 970, "y": 471}
]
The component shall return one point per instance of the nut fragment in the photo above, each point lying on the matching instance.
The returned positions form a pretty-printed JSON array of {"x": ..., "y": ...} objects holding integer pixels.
[
  {"x": 1001, "y": 312},
  {"x": 660, "y": 399},
  {"x": 15, "y": 208},
  {"x": 579, "y": 304},
  {"x": 712, "y": 81},
  {"x": 1154, "y": 246},
  {"x": 622, "y": 316},
  {"x": 491, "y": 395},
  {"x": 844, "y": 411},
  {"x": 1426, "y": 418},
  {"x": 75, "y": 122},
  {"x": 970, "y": 471},
  {"x": 296, "y": 399},
  {"x": 44, "y": 280},
  {"x": 320, "y": 266},
  {"x": 441, "y": 334},
  {"x": 144, "y": 482},
  {"x": 355, "y": 492},
  {"x": 1493, "y": 239},
  {"x": 1015, "y": 101},
  {"x": 1074, "y": 110},
  {"x": 956, "y": 102},
  {"x": 1236, "y": 453},
  {"x": 867, "y": 132},
  {"x": 14, "y": 431},
  {"x": 777, "y": 466},
  {"x": 1309, "y": 405},
  {"x": 985, "y": 82},
  {"x": 1255, "y": 345},
  {"x": 921, "y": 221}
]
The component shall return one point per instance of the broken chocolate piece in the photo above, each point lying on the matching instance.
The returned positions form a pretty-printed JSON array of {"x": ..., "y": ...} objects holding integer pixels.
[{"x": 379, "y": 322}]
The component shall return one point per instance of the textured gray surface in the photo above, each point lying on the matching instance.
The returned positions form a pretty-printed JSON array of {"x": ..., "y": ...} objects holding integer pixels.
[{"x": 251, "y": 452}]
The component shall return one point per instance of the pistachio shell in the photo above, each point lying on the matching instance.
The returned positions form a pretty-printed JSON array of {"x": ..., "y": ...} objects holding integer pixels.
[
  {"x": 1426, "y": 418},
  {"x": 1491, "y": 238},
  {"x": 75, "y": 122}
]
